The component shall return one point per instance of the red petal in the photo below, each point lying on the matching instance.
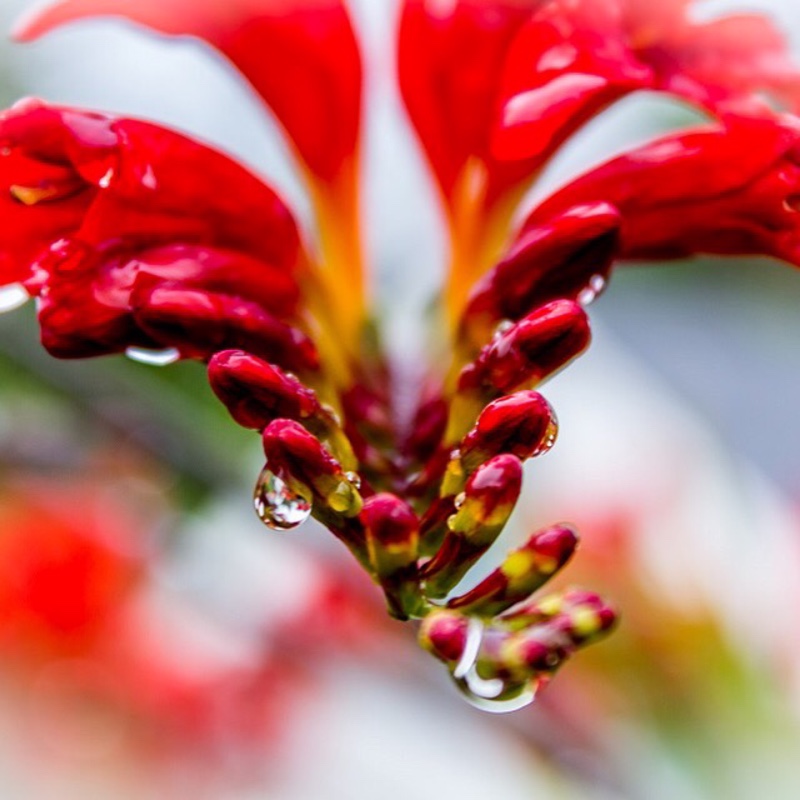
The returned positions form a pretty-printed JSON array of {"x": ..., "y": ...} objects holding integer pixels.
[
  {"x": 102, "y": 206},
  {"x": 450, "y": 65},
  {"x": 720, "y": 190},
  {"x": 301, "y": 56}
]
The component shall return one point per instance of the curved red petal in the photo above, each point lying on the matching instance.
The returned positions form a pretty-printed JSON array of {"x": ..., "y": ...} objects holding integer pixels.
[
  {"x": 301, "y": 56},
  {"x": 104, "y": 207},
  {"x": 708, "y": 191},
  {"x": 450, "y": 61}
]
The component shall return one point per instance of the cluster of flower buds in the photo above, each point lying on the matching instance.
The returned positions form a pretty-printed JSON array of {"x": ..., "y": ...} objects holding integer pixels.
[{"x": 140, "y": 240}]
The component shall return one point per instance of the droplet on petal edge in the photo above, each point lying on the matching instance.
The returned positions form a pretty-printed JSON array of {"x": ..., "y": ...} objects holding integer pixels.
[
  {"x": 354, "y": 478},
  {"x": 502, "y": 327},
  {"x": 153, "y": 358},
  {"x": 278, "y": 506},
  {"x": 13, "y": 296},
  {"x": 105, "y": 181},
  {"x": 590, "y": 293},
  {"x": 550, "y": 436},
  {"x": 492, "y": 695}
]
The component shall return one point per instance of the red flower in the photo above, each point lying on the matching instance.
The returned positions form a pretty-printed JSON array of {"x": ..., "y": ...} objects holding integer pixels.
[
  {"x": 132, "y": 236},
  {"x": 494, "y": 88},
  {"x": 285, "y": 48}
]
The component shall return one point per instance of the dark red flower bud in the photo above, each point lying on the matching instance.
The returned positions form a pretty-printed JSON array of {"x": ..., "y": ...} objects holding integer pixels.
[
  {"x": 539, "y": 609},
  {"x": 256, "y": 393},
  {"x": 481, "y": 512},
  {"x": 201, "y": 323},
  {"x": 392, "y": 531},
  {"x": 530, "y": 350},
  {"x": 556, "y": 258},
  {"x": 522, "y": 572},
  {"x": 544, "y": 646},
  {"x": 523, "y": 424},
  {"x": 445, "y": 634},
  {"x": 290, "y": 448}
]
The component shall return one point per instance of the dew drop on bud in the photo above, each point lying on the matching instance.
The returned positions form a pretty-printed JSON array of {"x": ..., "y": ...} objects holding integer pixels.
[
  {"x": 354, "y": 478},
  {"x": 153, "y": 358},
  {"x": 502, "y": 327},
  {"x": 13, "y": 296},
  {"x": 278, "y": 506},
  {"x": 494, "y": 695},
  {"x": 105, "y": 180},
  {"x": 550, "y": 436},
  {"x": 460, "y": 499},
  {"x": 590, "y": 293},
  {"x": 331, "y": 412}
]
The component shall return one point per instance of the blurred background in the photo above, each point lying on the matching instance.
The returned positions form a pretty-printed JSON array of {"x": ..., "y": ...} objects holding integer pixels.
[{"x": 157, "y": 642}]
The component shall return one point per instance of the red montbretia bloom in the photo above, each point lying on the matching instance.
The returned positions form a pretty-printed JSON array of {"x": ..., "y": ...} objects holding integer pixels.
[{"x": 137, "y": 239}]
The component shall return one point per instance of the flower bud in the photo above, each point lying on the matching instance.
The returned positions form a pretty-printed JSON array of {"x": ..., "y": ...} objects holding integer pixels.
[
  {"x": 481, "y": 513},
  {"x": 392, "y": 531},
  {"x": 200, "y": 323},
  {"x": 522, "y": 572},
  {"x": 523, "y": 424},
  {"x": 445, "y": 634},
  {"x": 290, "y": 447},
  {"x": 530, "y": 350}
]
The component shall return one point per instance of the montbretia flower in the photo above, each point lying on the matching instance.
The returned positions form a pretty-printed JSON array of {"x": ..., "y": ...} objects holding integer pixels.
[{"x": 137, "y": 239}]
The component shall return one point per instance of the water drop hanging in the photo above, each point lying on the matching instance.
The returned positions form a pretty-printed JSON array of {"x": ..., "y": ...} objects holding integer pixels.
[
  {"x": 550, "y": 436},
  {"x": 153, "y": 358},
  {"x": 279, "y": 506},
  {"x": 595, "y": 287},
  {"x": 494, "y": 695},
  {"x": 13, "y": 296}
]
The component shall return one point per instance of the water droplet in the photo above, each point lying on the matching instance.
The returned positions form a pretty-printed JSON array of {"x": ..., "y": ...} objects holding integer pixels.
[
  {"x": 354, "y": 478},
  {"x": 550, "y": 436},
  {"x": 331, "y": 412},
  {"x": 460, "y": 499},
  {"x": 595, "y": 287},
  {"x": 153, "y": 358},
  {"x": 148, "y": 178},
  {"x": 13, "y": 296},
  {"x": 105, "y": 181},
  {"x": 494, "y": 695},
  {"x": 279, "y": 506},
  {"x": 503, "y": 327}
]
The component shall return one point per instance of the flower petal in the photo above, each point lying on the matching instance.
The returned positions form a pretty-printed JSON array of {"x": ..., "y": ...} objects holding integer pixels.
[
  {"x": 722, "y": 190},
  {"x": 301, "y": 56},
  {"x": 451, "y": 57},
  {"x": 102, "y": 208}
]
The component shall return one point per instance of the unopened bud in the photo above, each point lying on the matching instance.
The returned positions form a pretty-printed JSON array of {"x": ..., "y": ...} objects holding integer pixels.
[{"x": 522, "y": 572}]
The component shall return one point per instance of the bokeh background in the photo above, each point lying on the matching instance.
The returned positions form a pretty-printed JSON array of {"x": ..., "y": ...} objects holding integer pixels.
[{"x": 157, "y": 642}]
